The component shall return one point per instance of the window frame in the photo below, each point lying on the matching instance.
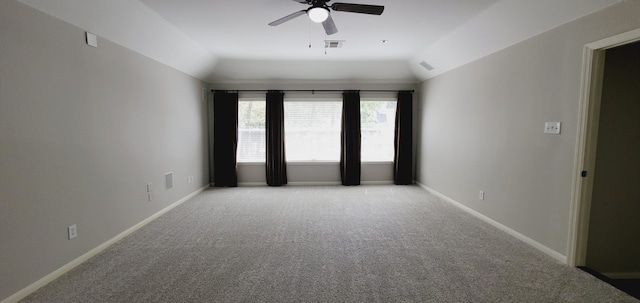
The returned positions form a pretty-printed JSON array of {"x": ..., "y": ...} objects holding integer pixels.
[
  {"x": 379, "y": 98},
  {"x": 318, "y": 97},
  {"x": 250, "y": 99},
  {"x": 313, "y": 98}
]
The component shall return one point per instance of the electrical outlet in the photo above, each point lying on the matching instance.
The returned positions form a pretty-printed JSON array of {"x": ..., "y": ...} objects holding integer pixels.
[
  {"x": 150, "y": 196},
  {"x": 149, "y": 187},
  {"x": 73, "y": 231},
  {"x": 481, "y": 195}
]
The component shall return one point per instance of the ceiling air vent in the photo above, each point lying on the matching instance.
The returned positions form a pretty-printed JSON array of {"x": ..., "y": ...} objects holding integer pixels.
[
  {"x": 333, "y": 43},
  {"x": 426, "y": 65}
]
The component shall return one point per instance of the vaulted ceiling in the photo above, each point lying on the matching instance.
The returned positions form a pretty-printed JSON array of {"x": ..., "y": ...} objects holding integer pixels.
[{"x": 230, "y": 41}]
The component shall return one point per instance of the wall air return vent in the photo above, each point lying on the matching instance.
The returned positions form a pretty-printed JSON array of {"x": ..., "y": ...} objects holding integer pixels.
[{"x": 333, "y": 43}]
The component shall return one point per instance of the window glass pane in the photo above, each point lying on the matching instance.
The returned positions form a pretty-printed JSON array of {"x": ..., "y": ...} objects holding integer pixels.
[
  {"x": 251, "y": 131},
  {"x": 312, "y": 130},
  {"x": 378, "y": 126}
]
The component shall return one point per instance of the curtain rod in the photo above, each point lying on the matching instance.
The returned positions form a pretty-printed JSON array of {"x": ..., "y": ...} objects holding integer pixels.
[{"x": 313, "y": 91}]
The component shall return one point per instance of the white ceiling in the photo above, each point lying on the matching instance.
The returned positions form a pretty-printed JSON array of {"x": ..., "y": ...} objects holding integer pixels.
[{"x": 230, "y": 41}]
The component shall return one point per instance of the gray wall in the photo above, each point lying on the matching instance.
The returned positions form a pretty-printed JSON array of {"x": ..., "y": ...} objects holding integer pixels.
[
  {"x": 482, "y": 127},
  {"x": 309, "y": 173},
  {"x": 82, "y": 131},
  {"x": 614, "y": 242}
]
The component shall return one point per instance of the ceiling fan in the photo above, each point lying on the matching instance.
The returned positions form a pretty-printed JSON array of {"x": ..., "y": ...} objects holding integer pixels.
[{"x": 319, "y": 12}]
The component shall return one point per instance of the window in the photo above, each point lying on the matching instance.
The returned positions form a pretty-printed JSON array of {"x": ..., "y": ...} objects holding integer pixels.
[
  {"x": 251, "y": 131},
  {"x": 312, "y": 130},
  {"x": 377, "y": 120}
]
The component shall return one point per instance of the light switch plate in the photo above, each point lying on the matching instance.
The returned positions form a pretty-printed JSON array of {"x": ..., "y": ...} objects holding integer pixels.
[
  {"x": 168, "y": 180},
  {"x": 73, "y": 231},
  {"x": 92, "y": 40},
  {"x": 552, "y": 128}
]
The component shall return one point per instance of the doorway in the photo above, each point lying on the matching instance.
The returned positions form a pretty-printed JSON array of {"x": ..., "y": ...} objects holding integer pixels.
[{"x": 605, "y": 239}]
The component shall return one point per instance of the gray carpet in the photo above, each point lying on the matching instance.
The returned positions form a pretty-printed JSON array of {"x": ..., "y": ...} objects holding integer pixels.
[{"x": 323, "y": 244}]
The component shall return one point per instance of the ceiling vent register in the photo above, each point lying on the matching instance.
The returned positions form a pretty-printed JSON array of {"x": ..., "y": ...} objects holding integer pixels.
[{"x": 333, "y": 43}]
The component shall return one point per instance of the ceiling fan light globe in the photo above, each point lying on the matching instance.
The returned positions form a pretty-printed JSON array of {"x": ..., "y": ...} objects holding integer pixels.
[{"x": 318, "y": 14}]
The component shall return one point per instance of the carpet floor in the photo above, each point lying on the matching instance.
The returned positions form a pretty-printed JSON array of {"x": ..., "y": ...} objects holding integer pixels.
[{"x": 322, "y": 244}]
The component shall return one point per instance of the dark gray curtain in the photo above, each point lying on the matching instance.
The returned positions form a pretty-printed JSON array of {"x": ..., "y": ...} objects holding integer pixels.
[
  {"x": 225, "y": 139},
  {"x": 276, "y": 161},
  {"x": 402, "y": 162},
  {"x": 350, "y": 139}
]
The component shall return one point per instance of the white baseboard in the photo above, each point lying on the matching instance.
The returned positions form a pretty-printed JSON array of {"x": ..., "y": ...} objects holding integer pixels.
[
  {"x": 249, "y": 184},
  {"x": 622, "y": 275},
  {"x": 69, "y": 266},
  {"x": 315, "y": 183},
  {"x": 376, "y": 182},
  {"x": 556, "y": 255}
]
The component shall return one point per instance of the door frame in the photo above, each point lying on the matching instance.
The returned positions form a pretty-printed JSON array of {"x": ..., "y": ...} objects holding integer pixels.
[{"x": 586, "y": 143}]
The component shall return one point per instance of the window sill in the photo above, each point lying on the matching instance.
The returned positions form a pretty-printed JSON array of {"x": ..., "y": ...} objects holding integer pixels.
[
  {"x": 251, "y": 163},
  {"x": 311, "y": 163}
]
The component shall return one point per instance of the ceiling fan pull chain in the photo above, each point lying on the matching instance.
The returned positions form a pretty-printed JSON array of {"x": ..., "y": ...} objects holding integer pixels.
[
  {"x": 309, "y": 32},
  {"x": 325, "y": 43}
]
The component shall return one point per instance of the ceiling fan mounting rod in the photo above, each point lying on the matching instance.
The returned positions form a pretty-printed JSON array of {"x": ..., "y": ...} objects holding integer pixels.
[{"x": 320, "y": 3}]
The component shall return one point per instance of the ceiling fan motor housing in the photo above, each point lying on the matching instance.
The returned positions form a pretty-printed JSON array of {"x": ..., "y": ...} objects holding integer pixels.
[{"x": 318, "y": 14}]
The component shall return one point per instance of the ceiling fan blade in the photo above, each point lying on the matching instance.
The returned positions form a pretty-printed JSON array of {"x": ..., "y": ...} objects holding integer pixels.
[
  {"x": 358, "y": 8},
  {"x": 329, "y": 26},
  {"x": 287, "y": 18},
  {"x": 302, "y": 1}
]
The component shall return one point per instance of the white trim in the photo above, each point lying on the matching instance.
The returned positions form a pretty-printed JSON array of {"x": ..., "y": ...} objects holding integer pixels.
[
  {"x": 69, "y": 266},
  {"x": 622, "y": 275},
  {"x": 311, "y": 163},
  {"x": 588, "y": 118},
  {"x": 316, "y": 162},
  {"x": 617, "y": 40},
  {"x": 377, "y": 162},
  {"x": 251, "y": 184},
  {"x": 556, "y": 255},
  {"x": 315, "y": 183},
  {"x": 389, "y": 182},
  {"x": 251, "y": 163},
  {"x": 584, "y": 150}
]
